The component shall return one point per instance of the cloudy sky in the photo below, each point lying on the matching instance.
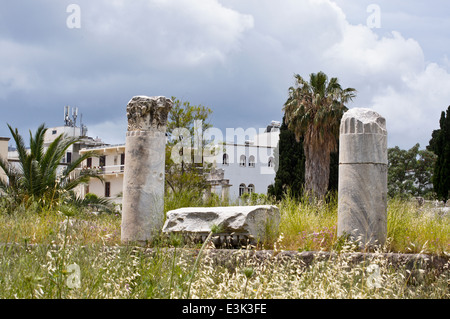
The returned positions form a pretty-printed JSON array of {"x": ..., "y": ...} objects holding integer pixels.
[{"x": 237, "y": 57}]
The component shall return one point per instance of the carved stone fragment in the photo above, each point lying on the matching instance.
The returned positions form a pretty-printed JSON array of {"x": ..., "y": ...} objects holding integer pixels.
[
  {"x": 237, "y": 224},
  {"x": 145, "y": 113}
]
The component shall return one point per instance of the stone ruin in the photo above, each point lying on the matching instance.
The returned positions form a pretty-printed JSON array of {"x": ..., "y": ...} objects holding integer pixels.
[
  {"x": 144, "y": 172},
  {"x": 238, "y": 225},
  {"x": 143, "y": 192},
  {"x": 362, "y": 186},
  {"x": 362, "y": 190}
]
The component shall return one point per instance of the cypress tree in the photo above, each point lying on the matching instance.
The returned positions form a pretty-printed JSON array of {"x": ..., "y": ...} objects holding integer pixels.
[
  {"x": 289, "y": 165},
  {"x": 440, "y": 145},
  {"x": 334, "y": 171}
]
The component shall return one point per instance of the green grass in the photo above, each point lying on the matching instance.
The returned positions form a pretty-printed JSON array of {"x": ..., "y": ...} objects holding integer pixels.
[
  {"x": 47, "y": 227},
  {"x": 37, "y": 250},
  {"x": 304, "y": 226},
  {"x": 129, "y": 272},
  {"x": 411, "y": 229},
  {"x": 308, "y": 225}
]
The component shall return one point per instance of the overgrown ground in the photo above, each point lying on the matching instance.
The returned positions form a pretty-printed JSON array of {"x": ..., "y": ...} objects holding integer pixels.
[{"x": 38, "y": 253}]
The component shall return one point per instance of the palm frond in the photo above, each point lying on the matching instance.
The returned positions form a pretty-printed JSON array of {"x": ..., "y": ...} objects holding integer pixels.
[
  {"x": 24, "y": 158},
  {"x": 76, "y": 163},
  {"x": 314, "y": 109},
  {"x": 94, "y": 203},
  {"x": 38, "y": 175},
  {"x": 37, "y": 142}
]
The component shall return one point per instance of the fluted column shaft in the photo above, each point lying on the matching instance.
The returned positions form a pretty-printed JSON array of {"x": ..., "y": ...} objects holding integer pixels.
[{"x": 362, "y": 189}]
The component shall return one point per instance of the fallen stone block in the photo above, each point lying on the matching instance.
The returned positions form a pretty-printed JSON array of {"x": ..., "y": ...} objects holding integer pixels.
[{"x": 238, "y": 225}]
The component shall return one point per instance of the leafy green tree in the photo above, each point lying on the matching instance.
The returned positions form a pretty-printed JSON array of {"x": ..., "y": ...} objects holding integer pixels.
[
  {"x": 440, "y": 145},
  {"x": 185, "y": 165},
  {"x": 401, "y": 165},
  {"x": 37, "y": 176},
  {"x": 313, "y": 111},
  {"x": 410, "y": 171},
  {"x": 424, "y": 173}
]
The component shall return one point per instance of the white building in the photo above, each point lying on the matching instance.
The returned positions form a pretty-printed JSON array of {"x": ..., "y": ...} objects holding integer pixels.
[
  {"x": 70, "y": 130},
  {"x": 249, "y": 165},
  {"x": 73, "y": 152},
  {"x": 242, "y": 166},
  {"x": 110, "y": 165}
]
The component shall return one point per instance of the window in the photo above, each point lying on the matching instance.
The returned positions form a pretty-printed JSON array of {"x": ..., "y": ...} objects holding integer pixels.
[
  {"x": 271, "y": 163},
  {"x": 108, "y": 189},
  {"x": 102, "y": 161},
  {"x": 89, "y": 162},
  {"x": 69, "y": 157},
  {"x": 225, "y": 159},
  {"x": 241, "y": 189},
  {"x": 54, "y": 132},
  {"x": 243, "y": 161},
  {"x": 251, "y": 188},
  {"x": 251, "y": 161},
  {"x": 122, "y": 161}
]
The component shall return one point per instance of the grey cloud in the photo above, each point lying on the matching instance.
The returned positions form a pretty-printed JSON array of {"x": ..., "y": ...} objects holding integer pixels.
[{"x": 236, "y": 56}]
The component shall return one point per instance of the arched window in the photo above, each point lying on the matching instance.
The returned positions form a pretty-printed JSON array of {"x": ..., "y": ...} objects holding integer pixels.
[
  {"x": 251, "y": 161},
  {"x": 251, "y": 188},
  {"x": 242, "y": 161},
  {"x": 241, "y": 189},
  {"x": 225, "y": 159},
  {"x": 271, "y": 163}
]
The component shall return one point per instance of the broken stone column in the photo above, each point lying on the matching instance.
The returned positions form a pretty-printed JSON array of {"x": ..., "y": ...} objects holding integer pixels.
[
  {"x": 240, "y": 225},
  {"x": 143, "y": 187},
  {"x": 362, "y": 190}
]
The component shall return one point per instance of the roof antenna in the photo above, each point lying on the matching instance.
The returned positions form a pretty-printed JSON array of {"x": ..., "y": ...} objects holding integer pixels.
[
  {"x": 74, "y": 116},
  {"x": 67, "y": 120}
]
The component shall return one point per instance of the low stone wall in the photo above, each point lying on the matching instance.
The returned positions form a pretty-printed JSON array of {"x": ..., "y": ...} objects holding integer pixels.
[
  {"x": 409, "y": 261},
  {"x": 233, "y": 258}
]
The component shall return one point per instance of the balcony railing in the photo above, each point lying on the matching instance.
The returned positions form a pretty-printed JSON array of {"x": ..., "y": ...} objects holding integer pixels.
[
  {"x": 103, "y": 170},
  {"x": 105, "y": 146}
]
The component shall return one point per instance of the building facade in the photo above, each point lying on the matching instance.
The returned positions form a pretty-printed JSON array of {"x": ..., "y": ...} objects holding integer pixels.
[
  {"x": 68, "y": 130},
  {"x": 249, "y": 166},
  {"x": 109, "y": 165},
  {"x": 240, "y": 167}
]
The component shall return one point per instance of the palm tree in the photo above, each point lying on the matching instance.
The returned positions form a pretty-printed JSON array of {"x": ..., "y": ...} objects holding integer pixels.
[
  {"x": 313, "y": 111},
  {"x": 38, "y": 176}
]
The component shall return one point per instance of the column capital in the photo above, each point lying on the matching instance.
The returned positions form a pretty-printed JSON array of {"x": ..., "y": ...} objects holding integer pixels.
[
  {"x": 363, "y": 137},
  {"x": 362, "y": 121},
  {"x": 148, "y": 113}
]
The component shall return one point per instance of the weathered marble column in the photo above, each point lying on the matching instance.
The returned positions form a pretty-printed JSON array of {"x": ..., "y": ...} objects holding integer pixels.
[
  {"x": 362, "y": 190},
  {"x": 143, "y": 186}
]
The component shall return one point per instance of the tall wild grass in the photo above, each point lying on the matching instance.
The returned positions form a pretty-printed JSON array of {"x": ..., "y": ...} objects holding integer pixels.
[
  {"x": 309, "y": 225},
  {"x": 38, "y": 249}
]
